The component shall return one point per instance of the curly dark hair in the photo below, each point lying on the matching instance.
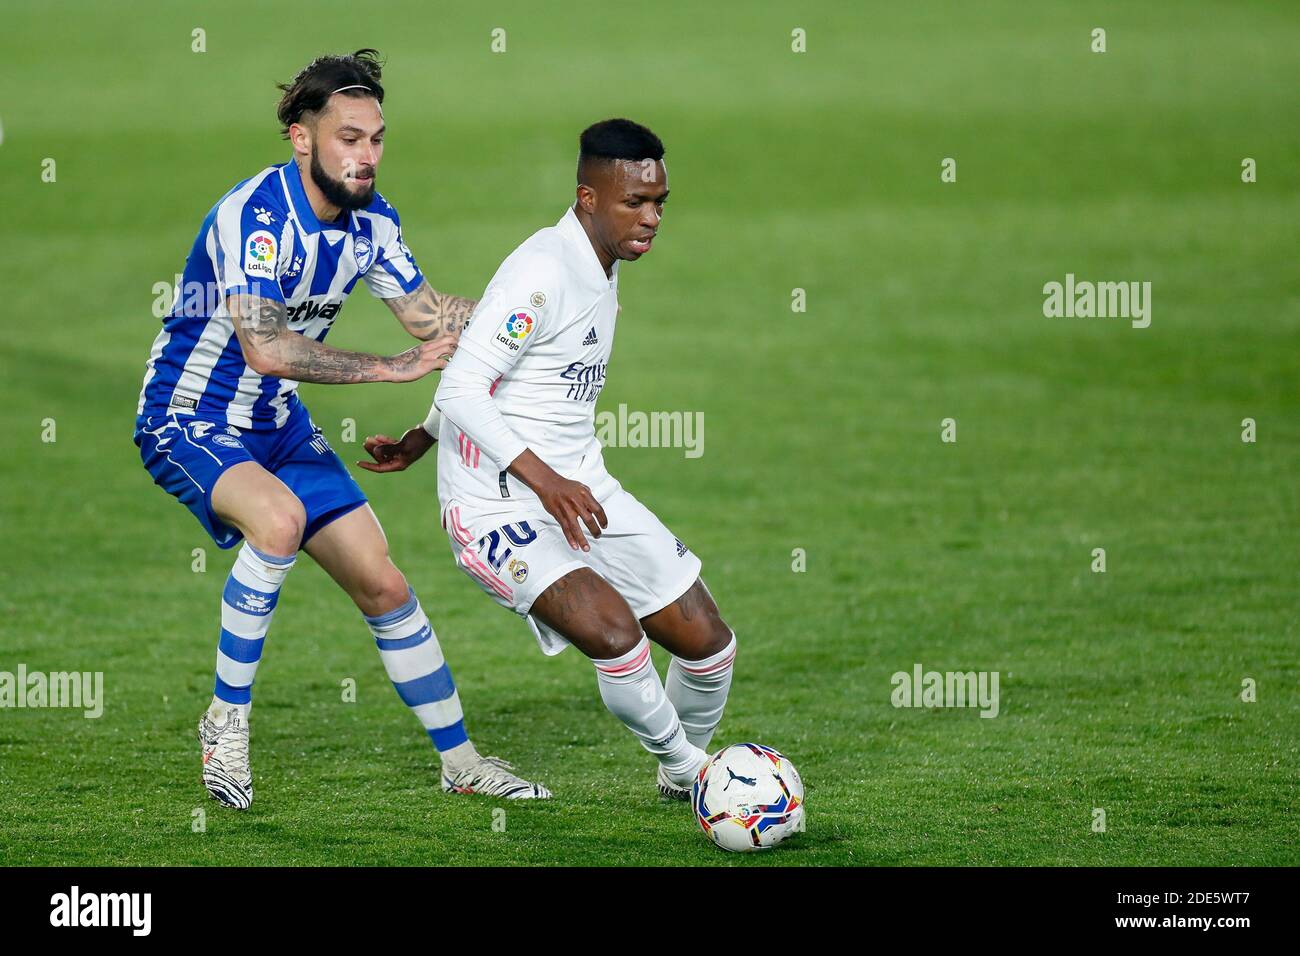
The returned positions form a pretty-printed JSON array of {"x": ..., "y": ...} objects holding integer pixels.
[{"x": 310, "y": 90}]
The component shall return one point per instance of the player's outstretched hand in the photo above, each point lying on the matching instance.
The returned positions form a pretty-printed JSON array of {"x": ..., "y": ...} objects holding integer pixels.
[
  {"x": 424, "y": 358},
  {"x": 572, "y": 504},
  {"x": 390, "y": 455}
]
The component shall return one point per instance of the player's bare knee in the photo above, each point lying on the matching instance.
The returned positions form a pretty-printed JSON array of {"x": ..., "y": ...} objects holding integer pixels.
[
  {"x": 280, "y": 528},
  {"x": 707, "y": 641},
  {"x": 714, "y": 635},
  {"x": 617, "y": 631},
  {"x": 720, "y": 636},
  {"x": 618, "y": 636},
  {"x": 383, "y": 592}
]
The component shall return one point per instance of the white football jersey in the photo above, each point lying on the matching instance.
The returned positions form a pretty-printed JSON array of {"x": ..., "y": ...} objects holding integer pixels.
[{"x": 546, "y": 325}]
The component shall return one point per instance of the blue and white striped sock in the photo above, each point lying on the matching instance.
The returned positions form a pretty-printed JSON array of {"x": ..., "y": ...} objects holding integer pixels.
[
  {"x": 247, "y": 603},
  {"x": 414, "y": 662}
]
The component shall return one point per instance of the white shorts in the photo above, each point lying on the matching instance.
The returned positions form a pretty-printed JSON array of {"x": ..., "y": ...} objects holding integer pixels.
[{"x": 515, "y": 556}]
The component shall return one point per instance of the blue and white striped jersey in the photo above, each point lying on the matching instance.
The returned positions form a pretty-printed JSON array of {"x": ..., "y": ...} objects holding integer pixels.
[{"x": 263, "y": 238}]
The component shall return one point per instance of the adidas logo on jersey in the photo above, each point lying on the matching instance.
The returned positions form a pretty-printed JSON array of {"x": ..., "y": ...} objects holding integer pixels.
[{"x": 591, "y": 337}]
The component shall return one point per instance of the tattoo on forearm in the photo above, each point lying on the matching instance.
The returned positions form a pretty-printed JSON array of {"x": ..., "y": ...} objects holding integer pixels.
[
  {"x": 263, "y": 324},
  {"x": 314, "y": 362},
  {"x": 427, "y": 313},
  {"x": 262, "y": 319}
]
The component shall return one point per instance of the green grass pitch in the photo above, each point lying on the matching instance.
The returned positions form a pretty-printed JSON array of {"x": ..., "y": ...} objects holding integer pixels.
[{"x": 819, "y": 171}]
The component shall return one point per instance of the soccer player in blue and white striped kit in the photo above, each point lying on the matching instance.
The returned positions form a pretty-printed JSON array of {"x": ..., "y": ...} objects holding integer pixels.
[{"x": 220, "y": 426}]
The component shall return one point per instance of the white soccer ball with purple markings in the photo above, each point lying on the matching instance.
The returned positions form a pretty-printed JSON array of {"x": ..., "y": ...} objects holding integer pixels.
[{"x": 748, "y": 797}]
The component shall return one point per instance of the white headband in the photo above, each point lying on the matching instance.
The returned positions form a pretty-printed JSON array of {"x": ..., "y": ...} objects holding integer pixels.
[{"x": 355, "y": 86}]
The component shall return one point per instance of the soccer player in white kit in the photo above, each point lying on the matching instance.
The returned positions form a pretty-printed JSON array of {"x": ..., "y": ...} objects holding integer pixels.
[{"x": 521, "y": 473}]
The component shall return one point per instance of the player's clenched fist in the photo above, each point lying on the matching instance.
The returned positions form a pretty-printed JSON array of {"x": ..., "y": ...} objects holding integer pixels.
[{"x": 424, "y": 358}]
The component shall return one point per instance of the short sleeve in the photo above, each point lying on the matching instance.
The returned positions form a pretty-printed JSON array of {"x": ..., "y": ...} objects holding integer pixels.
[
  {"x": 394, "y": 271},
  {"x": 250, "y": 238}
]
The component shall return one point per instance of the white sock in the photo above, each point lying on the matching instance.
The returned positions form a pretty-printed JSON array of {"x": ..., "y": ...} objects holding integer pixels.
[
  {"x": 218, "y": 709},
  {"x": 698, "y": 689},
  {"x": 631, "y": 689},
  {"x": 413, "y": 660},
  {"x": 247, "y": 604}
]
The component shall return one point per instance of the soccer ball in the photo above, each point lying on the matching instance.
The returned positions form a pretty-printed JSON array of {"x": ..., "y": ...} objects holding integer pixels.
[{"x": 748, "y": 797}]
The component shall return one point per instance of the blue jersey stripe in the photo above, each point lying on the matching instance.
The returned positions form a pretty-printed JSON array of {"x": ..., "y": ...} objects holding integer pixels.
[{"x": 263, "y": 237}]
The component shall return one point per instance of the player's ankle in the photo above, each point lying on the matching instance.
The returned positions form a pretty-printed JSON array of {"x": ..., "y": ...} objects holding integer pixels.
[
  {"x": 218, "y": 709},
  {"x": 457, "y": 758},
  {"x": 683, "y": 772}
]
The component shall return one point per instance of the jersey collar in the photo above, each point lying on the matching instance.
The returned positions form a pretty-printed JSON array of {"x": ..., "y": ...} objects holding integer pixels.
[
  {"x": 572, "y": 230},
  {"x": 302, "y": 205}
]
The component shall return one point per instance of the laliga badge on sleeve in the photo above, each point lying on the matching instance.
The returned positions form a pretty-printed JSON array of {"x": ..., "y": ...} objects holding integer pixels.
[
  {"x": 515, "y": 329},
  {"x": 259, "y": 255}
]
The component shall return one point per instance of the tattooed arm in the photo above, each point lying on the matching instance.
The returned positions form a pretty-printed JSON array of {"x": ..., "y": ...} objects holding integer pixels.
[
  {"x": 271, "y": 348},
  {"x": 428, "y": 314}
]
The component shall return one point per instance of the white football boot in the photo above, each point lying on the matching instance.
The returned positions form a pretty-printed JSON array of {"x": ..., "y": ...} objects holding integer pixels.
[
  {"x": 491, "y": 777},
  {"x": 679, "y": 791},
  {"x": 226, "y": 772},
  {"x": 669, "y": 789}
]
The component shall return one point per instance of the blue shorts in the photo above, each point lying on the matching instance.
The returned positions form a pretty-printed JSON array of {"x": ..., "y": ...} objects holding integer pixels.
[{"x": 186, "y": 455}]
